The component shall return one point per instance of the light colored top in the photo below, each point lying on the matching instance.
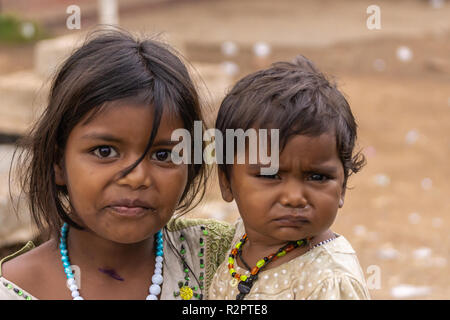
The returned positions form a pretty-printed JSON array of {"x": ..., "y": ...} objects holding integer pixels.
[
  {"x": 216, "y": 245},
  {"x": 328, "y": 272}
]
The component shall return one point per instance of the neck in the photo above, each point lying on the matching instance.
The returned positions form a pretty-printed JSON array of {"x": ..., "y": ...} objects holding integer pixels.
[{"x": 92, "y": 252}]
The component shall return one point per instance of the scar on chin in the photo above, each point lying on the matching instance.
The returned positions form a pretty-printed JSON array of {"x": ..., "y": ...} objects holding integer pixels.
[{"x": 112, "y": 273}]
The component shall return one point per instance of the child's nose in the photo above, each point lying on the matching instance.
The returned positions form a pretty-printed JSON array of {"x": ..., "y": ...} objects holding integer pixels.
[
  {"x": 139, "y": 177},
  {"x": 293, "y": 194}
]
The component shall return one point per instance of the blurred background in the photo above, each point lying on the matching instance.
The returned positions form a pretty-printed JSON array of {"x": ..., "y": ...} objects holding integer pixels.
[{"x": 390, "y": 57}]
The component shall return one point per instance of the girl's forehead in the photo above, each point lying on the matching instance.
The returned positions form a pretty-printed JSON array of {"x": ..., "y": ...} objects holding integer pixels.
[{"x": 127, "y": 120}]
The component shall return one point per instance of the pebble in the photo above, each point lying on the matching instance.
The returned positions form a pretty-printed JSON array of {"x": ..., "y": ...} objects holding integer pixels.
[
  {"x": 229, "y": 48},
  {"x": 411, "y": 137},
  {"x": 261, "y": 49},
  {"x": 404, "y": 54},
  {"x": 414, "y": 218},
  {"x": 379, "y": 65},
  {"x": 388, "y": 253},
  {"x": 422, "y": 253},
  {"x": 382, "y": 180},
  {"x": 436, "y": 222},
  {"x": 230, "y": 68},
  {"x": 426, "y": 184},
  {"x": 405, "y": 291}
]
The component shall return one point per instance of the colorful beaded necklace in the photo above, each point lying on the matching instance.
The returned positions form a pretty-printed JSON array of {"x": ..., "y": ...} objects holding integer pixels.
[{"x": 244, "y": 282}]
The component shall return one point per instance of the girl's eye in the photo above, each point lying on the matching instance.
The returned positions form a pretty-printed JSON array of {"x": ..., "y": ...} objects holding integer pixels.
[
  {"x": 105, "y": 152},
  {"x": 162, "y": 155}
]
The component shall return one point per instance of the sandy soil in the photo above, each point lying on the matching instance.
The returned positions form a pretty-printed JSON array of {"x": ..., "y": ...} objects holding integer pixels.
[{"x": 397, "y": 214}]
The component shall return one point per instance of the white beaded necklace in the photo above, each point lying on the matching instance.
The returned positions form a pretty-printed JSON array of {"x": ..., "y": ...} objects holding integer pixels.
[{"x": 157, "y": 278}]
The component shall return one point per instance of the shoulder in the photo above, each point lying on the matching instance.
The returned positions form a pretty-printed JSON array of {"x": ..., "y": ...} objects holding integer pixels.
[
  {"x": 215, "y": 226},
  {"x": 27, "y": 266},
  {"x": 340, "y": 286}
]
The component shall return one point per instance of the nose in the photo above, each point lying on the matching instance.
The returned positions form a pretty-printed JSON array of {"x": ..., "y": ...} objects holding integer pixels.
[
  {"x": 138, "y": 178},
  {"x": 293, "y": 195}
]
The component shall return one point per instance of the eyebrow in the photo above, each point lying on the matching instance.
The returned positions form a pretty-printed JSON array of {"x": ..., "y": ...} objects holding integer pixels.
[
  {"x": 112, "y": 138},
  {"x": 101, "y": 136}
]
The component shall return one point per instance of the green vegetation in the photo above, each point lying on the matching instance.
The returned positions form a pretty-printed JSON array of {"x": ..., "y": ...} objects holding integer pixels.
[{"x": 13, "y": 30}]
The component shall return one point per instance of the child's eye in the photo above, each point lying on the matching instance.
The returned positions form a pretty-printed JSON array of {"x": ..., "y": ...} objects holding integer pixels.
[
  {"x": 268, "y": 176},
  {"x": 318, "y": 177},
  {"x": 105, "y": 152},
  {"x": 162, "y": 155}
]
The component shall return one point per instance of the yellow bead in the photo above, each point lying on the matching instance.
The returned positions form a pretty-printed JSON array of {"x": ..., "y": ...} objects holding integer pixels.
[
  {"x": 232, "y": 271},
  {"x": 186, "y": 293},
  {"x": 230, "y": 260},
  {"x": 238, "y": 245},
  {"x": 243, "y": 277}
]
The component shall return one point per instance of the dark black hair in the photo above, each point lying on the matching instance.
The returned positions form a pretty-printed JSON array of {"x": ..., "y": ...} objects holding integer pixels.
[
  {"x": 296, "y": 98},
  {"x": 111, "y": 65}
]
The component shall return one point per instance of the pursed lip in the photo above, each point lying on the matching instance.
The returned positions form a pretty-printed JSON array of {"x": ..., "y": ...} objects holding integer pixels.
[
  {"x": 130, "y": 207},
  {"x": 292, "y": 220}
]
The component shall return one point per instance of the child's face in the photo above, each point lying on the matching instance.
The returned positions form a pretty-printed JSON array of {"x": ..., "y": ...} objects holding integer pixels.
[
  {"x": 300, "y": 201},
  {"x": 95, "y": 154}
]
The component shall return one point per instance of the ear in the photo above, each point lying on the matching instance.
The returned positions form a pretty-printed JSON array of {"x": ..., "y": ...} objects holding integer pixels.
[
  {"x": 60, "y": 177},
  {"x": 341, "y": 199},
  {"x": 225, "y": 187}
]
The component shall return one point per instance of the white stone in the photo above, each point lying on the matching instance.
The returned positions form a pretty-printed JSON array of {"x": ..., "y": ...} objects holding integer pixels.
[
  {"x": 229, "y": 48},
  {"x": 422, "y": 253},
  {"x": 261, "y": 49},
  {"x": 151, "y": 297},
  {"x": 405, "y": 291},
  {"x": 388, "y": 253},
  {"x": 426, "y": 184},
  {"x": 382, "y": 180},
  {"x": 159, "y": 259},
  {"x": 412, "y": 136},
  {"x": 230, "y": 68},
  {"x": 414, "y": 218},
  {"x": 404, "y": 53}
]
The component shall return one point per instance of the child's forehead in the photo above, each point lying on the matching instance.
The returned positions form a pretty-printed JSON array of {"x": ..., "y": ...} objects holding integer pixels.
[{"x": 313, "y": 148}]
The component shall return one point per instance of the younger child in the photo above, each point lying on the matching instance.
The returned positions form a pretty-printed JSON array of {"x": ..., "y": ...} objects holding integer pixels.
[
  {"x": 99, "y": 178},
  {"x": 283, "y": 246}
]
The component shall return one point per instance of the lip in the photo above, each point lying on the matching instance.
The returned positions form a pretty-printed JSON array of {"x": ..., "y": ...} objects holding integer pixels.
[
  {"x": 292, "y": 221},
  {"x": 130, "y": 208}
]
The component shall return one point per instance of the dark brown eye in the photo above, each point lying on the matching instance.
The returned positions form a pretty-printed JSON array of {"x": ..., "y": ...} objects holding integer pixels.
[
  {"x": 105, "y": 152},
  {"x": 162, "y": 155},
  {"x": 318, "y": 177}
]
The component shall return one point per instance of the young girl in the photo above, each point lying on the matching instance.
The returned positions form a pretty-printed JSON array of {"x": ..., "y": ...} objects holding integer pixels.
[
  {"x": 98, "y": 173},
  {"x": 284, "y": 247}
]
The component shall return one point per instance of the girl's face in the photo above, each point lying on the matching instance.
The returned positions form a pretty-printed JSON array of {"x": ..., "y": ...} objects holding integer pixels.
[
  {"x": 132, "y": 208},
  {"x": 300, "y": 201}
]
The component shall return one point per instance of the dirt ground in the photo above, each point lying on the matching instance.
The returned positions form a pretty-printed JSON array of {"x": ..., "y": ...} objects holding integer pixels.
[{"x": 397, "y": 213}]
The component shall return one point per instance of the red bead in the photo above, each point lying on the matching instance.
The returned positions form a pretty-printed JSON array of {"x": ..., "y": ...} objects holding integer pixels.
[{"x": 254, "y": 270}]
